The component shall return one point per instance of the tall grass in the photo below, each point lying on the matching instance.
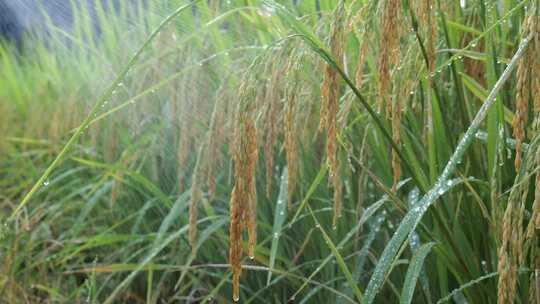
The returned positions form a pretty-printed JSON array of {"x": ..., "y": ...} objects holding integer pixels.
[{"x": 272, "y": 151}]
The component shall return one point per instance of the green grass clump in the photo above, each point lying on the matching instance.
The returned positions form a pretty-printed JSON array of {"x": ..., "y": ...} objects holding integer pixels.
[{"x": 271, "y": 151}]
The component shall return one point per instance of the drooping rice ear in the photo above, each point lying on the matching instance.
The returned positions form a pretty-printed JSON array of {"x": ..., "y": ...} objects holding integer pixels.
[
  {"x": 331, "y": 92},
  {"x": 235, "y": 241},
  {"x": 362, "y": 55},
  {"x": 115, "y": 188},
  {"x": 196, "y": 196},
  {"x": 504, "y": 266},
  {"x": 184, "y": 142},
  {"x": 396, "y": 137},
  {"x": 252, "y": 158},
  {"x": 522, "y": 108},
  {"x": 291, "y": 144},
  {"x": 215, "y": 142},
  {"x": 244, "y": 196},
  {"x": 389, "y": 45},
  {"x": 534, "y": 222},
  {"x": 273, "y": 106},
  {"x": 55, "y": 130},
  {"x": 389, "y": 48},
  {"x": 535, "y": 86},
  {"x": 510, "y": 252},
  {"x": 522, "y": 96}
]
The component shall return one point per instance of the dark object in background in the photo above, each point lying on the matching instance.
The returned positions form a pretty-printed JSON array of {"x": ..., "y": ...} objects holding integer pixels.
[
  {"x": 20, "y": 16},
  {"x": 10, "y": 28}
]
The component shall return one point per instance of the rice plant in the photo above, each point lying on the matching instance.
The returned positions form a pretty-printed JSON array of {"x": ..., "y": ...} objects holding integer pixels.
[{"x": 264, "y": 151}]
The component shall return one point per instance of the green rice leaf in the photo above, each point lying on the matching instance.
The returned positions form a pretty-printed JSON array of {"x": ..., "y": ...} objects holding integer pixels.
[{"x": 413, "y": 272}]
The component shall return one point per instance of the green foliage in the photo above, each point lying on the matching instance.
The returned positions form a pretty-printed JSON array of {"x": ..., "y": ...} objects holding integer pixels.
[{"x": 100, "y": 135}]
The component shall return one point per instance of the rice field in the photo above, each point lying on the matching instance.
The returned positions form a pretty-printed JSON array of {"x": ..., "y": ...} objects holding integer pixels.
[{"x": 265, "y": 151}]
